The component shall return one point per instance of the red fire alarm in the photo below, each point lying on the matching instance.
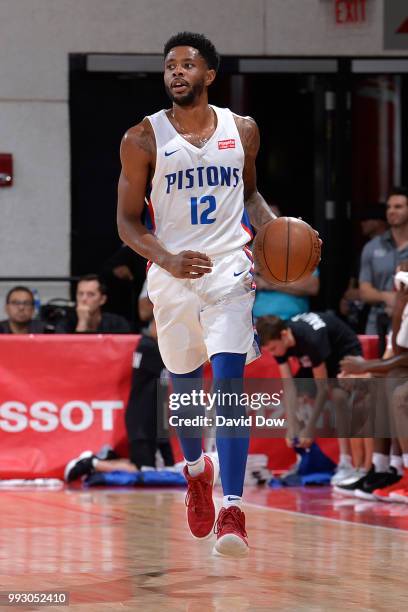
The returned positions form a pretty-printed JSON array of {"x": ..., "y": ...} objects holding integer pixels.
[{"x": 6, "y": 170}]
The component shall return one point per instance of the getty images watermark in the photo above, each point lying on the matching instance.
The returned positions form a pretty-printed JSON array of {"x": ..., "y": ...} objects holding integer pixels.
[
  {"x": 236, "y": 402},
  {"x": 333, "y": 408}
]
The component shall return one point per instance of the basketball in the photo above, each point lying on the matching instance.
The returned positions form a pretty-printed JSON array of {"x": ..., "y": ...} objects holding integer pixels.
[{"x": 286, "y": 250}]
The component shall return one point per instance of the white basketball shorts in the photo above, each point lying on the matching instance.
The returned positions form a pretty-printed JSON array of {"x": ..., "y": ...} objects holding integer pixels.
[{"x": 198, "y": 318}]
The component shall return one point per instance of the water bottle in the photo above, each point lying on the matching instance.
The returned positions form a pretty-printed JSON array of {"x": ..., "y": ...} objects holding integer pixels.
[{"x": 37, "y": 304}]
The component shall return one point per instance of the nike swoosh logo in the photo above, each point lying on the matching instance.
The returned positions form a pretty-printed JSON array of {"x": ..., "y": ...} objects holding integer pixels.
[
  {"x": 167, "y": 153},
  {"x": 239, "y": 273},
  {"x": 233, "y": 498}
]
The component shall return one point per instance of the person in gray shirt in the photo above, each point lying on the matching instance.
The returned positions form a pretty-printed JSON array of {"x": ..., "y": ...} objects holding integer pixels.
[{"x": 380, "y": 257}]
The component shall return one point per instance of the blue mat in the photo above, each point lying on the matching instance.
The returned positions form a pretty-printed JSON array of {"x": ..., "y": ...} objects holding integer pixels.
[
  {"x": 161, "y": 478},
  {"x": 315, "y": 468}
]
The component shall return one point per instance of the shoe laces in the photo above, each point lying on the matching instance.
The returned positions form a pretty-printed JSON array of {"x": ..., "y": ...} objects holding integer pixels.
[
  {"x": 233, "y": 518},
  {"x": 195, "y": 498}
]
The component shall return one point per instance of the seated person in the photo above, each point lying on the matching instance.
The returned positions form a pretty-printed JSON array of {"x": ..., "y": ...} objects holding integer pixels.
[
  {"x": 319, "y": 341},
  {"x": 19, "y": 308},
  {"x": 373, "y": 223},
  {"x": 89, "y": 317},
  {"x": 141, "y": 418},
  {"x": 285, "y": 302}
]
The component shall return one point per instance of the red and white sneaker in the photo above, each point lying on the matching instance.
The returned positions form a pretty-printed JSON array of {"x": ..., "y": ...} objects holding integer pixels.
[
  {"x": 385, "y": 493},
  {"x": 199, "y": 499},
  {"x": 401, "y": 495},
  {"x": 231, "y": 535}
]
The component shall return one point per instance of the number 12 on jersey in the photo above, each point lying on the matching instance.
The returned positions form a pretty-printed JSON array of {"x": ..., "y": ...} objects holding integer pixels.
[{"x": 200, "y": 215}]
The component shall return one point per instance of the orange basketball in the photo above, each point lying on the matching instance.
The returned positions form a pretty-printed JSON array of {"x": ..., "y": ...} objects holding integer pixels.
[{"x": 286, "y": 250}]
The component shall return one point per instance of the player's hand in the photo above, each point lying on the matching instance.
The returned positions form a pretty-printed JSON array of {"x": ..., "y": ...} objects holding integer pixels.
[
  {"x": 305, "y": 441},
  {"x": 188, "y": 264},
  {"x": 353, "y": 365},
  {"x": 84, "y": 315},
  {"x": 306, "y": 437},
  {"x": 317, "y": 234}
]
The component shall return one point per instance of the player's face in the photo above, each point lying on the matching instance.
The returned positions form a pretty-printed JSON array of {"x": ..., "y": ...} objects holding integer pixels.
[
  {"x": 20, "y": 307},
  {"x": 397, "y": 210},
  {"x": 89, "y": 294},
  {"x": 277, "y": 347},
  {"x": 186, "y": 75}
]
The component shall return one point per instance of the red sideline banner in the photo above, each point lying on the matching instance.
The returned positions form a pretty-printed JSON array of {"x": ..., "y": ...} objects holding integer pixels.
[{"x": 60, "y": 395}]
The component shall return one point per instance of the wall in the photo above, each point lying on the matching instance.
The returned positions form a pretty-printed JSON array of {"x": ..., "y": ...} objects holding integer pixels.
[{"x": 36, "y": 37}]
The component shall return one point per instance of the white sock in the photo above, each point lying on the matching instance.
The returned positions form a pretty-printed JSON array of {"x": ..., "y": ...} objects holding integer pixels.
[
  {"x": 196, "y": 467},
  {"x": 381, "y": 462},
  {"x": 405, "y": 460},
  {"x": 231, "y": 500},
  {"x": 396, "y": 462},
  {"x": 95, "y": 462},
  {"x": 345, "y": 460}
]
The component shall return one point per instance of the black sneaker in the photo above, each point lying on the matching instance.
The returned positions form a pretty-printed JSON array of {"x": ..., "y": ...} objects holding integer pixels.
[
  {"x": 80, "y": 466},
  {"x": 106, "y": 453},
  {"x": 349, "y": 489},
  {"x": 376, "y": 480}
]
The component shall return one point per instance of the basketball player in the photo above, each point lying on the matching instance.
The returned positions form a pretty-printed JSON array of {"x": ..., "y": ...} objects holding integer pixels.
[{"x": 197, "y": 163}]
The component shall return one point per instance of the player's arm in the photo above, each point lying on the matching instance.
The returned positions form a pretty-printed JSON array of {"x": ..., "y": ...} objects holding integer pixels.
[
  {"x": 380, "y": 367},
  {"x": 257, "y": 208},
  {"x": 321, "y": 376},
  {"x": 137, "y": 153},
  {"x": 290, "y": 402},
  {"x": 308, "y": 433},
  {"x": 397, "y": 319}
]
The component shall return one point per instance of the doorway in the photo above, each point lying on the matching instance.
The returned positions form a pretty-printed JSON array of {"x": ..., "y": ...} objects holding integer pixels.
[{"x": 314, "y": 144}]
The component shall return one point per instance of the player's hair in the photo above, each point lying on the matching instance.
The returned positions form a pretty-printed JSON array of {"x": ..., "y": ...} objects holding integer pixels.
[
  {"x": 270, "y": 328},
  {"x": 19, "y": 288},
  {"x": 398, "y": 191},
  {"x": 200, "y": 42},
  {"x": 94, "y": 277}
]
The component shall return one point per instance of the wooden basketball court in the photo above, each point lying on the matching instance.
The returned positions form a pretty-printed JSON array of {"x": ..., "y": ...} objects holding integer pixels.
[{"x": 130, "y": 550}]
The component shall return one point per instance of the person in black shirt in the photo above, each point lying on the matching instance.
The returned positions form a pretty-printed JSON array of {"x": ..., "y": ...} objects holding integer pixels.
[
  {"x": 20, "y": 312},
  {"x": 124, "y": 274},
  {"x": 319, "y": 341},
  {"x": 89, "y": 317},
  {"x": 141, "y": 418},
  {"x": 142, "y": 410}
]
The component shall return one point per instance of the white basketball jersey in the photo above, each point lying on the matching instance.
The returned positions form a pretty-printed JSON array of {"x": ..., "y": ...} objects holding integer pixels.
[{"x": 197, "y": 195}]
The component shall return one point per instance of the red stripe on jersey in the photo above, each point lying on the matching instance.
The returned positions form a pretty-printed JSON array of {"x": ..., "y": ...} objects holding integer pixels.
[
  {"x": 151, "y": 211},
  {"x": 248, "y": 231},
  {"x": 248, "y": 254}
]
